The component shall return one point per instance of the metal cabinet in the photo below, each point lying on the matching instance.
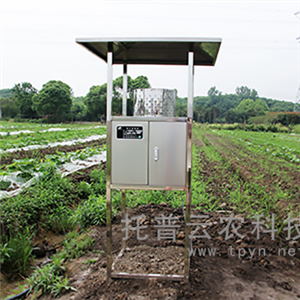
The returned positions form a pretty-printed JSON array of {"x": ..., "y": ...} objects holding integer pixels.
[{"x": 149, "y": 153}]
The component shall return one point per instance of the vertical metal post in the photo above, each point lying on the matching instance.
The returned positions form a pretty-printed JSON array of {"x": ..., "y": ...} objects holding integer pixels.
[
  {"x": 188, "y": 200},
  {"x": 189, "y": 163},
  {"x": 108, "y": 162},
  {"x": 109, "y": 86},
  {"x": 190, "y": 85},
  {"x": 123, "y": 218},
  {"x": 124, "y": 103}
]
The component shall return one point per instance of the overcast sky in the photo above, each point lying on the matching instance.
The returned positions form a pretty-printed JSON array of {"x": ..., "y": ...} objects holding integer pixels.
[{"x": 259, "y": 43}]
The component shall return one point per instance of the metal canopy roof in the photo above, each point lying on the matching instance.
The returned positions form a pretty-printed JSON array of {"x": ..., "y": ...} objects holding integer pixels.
[{"x": 161, "y": 51}]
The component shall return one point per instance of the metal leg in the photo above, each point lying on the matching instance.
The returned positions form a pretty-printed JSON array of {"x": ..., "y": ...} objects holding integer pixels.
[
  {"x": 108, "y": 164},
  {"x": 188, "y": 200},
  {"x": 108, "y": 202},
  {"x": 187, "y": 235},
  {"x": 108, "y": 232},
  {"x": 123, "y": 218}
]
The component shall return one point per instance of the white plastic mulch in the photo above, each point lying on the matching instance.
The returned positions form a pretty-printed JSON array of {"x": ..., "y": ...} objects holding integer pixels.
[
  {"x": 55, "y": 144},
  {"x": 46, "y": 130},
  {"x": 19, "y": 184}
]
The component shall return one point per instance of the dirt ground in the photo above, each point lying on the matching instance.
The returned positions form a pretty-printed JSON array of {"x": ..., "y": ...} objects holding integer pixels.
[{"x": 242, "y": 267}]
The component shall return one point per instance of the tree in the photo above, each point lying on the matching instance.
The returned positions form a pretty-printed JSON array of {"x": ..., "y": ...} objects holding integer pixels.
[
  {"x": 23, "y": 94},
  {"x": 5, "y": 93},
  {"x": 8, "y": 107},
  {"x": 78, "y": 110},
  {"x": 276, "y": 105},
  {"x": 245, "y": 93},
  {"x": 213, "y": 96},
  {"x": 141, "y": 82},
  {"x": 54, "y": 100},
  {"x": 246, "y": 109},
  {"x": 232, "y": 116},
  {"x": 260, "y": 107},
  {"x": 211, "y": 114},
  {"x": 180, "y": 109},
  {"x": 95, "y": 100}
]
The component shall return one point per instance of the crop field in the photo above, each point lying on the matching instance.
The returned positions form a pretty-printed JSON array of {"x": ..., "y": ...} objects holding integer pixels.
[
  {"x": 53, "y": 212},
  {"x": 19, "y": 136},
  {"x": 253, "y": 172}
]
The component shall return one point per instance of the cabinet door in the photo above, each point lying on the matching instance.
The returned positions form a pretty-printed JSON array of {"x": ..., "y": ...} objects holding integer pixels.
[
  {"x": 129, "y": 153},
  {"x": 167, "y": 153}
]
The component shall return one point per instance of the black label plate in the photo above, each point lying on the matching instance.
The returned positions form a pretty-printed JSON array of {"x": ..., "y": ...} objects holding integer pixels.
[{"x": 130, "y": 132}]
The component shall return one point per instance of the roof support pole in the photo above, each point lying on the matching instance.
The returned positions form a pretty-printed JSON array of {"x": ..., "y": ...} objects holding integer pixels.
[
  {"x": 108, "y": 162},
  {"x": 190, "y": 84},
  {"x": 124, "y": 103},
  {"x": 189, "y": 164},
  {"x": 109, "y": 85}
]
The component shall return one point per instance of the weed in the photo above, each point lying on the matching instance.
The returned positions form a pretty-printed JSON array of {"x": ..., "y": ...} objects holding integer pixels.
[
  {"x": 91, "y": 212},
  {"x": 84, "y": 190},
  {"x": 76, "y": 246},
  {"x": 5, "y": 253},
  {"x": 97, "y": 251},
  {"x": 49, "y": 281},
  {"x": 61, "y": 220},
  {"x": 57, "y": 264},
  {"x": 90, "y": 261},
  {"x": 98, "y": 179},
  {"x": 16, "y": 253}
]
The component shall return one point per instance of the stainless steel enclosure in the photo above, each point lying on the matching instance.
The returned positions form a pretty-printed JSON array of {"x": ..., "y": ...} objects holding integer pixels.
[
  {"x": 155, "y": 157},
  {"x": 150, "y": 152}
]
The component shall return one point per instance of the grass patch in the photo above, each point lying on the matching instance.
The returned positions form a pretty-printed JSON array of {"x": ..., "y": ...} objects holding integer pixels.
[
  {"x": 51, "y": 278},
  {"x": 16, "y": 253}
]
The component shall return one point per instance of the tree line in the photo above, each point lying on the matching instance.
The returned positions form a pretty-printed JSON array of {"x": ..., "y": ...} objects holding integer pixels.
[
  {"x": 242, "y": 107},
  {"x": 55, "y": 102}
]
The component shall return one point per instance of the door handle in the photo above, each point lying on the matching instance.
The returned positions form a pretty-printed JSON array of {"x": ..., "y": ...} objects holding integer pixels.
[{"x": 156, "y": 153}]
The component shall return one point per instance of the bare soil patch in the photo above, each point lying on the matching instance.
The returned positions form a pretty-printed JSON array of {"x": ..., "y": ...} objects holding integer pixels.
[
  {"x": 220, "y": 276},
  {"x": 145, "y": 259}
]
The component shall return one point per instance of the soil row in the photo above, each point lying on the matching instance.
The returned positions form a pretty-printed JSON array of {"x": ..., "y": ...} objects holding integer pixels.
[
  {"x": 252, "y": 161},
  {"x": 214, "y": 175},
  {"x": 8, "y": 158},
  {"x": 248, "y": 168}
]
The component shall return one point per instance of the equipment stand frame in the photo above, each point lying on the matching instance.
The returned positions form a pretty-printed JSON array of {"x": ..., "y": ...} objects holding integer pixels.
[{"x": 109, "y": 186}]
